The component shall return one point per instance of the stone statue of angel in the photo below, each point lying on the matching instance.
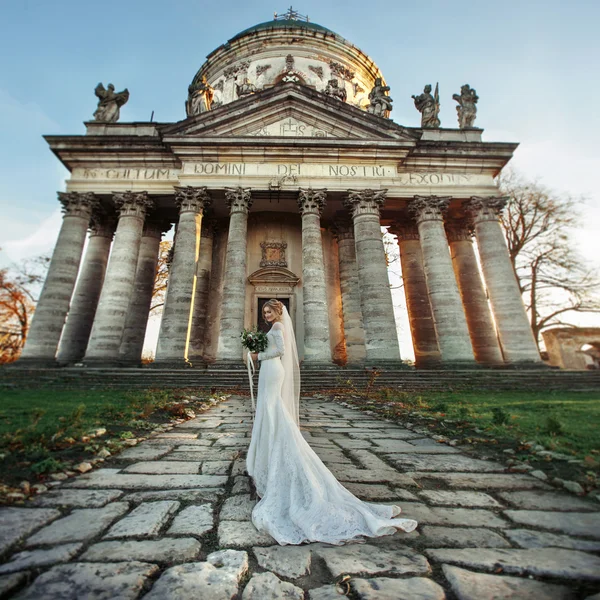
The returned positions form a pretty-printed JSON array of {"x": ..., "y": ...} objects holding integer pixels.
[
  {"x": 200, "y": 98},
  {"x": 381, "y": 103},
  {"x": 109, "y": 103},
  {"x": 429, "y": 107},
  {"x": 466, "y": 109},
  {"x": 333, "y": 89}
]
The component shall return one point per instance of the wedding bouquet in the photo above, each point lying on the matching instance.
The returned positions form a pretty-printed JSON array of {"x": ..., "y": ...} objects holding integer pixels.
[{"x": 254, "y": 340}]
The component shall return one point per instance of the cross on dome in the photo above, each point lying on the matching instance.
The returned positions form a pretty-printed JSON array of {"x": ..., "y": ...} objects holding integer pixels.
[{"x": 291, "y": 15}]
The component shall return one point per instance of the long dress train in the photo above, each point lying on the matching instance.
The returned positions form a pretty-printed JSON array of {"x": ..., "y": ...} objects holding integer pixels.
[{"x": 301, "y": 500}]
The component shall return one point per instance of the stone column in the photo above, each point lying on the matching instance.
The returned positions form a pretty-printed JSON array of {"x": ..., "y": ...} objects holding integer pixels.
[
  {"x": 381, "y": 337},
  {"x": 203, "y": 271},
  {"x": 317, "y": 347},
  {"x": 234, "y": 291},
  {"x": 134, "y": 333},
  {"x": 514, "y": 330},
  {"x": 53, "y": 305},
  {"x": 484, "y": 339},
  {"x": 420, "y": 316},
  {"x": 111, "y": 315},
  {"x": 449, "y": 317},
  {"x": 353, "y": 323},
  {"x": 176, "y": 323},
  {"x": 76, "y": 333}
]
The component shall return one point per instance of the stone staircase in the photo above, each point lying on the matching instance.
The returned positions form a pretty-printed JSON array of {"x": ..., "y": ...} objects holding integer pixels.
[{"x": 406, "y": 379}]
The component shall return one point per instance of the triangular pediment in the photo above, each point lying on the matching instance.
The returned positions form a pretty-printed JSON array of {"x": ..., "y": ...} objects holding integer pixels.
[{"x": 290, "y": 111}]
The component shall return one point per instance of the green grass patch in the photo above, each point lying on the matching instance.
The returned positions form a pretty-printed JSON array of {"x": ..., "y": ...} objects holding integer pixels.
[
  {"x": 566, "y": 423},
  {"x": 43, "y": 431}
]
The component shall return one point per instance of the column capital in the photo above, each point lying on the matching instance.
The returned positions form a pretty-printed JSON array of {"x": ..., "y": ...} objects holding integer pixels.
[
  {"x": 343, "y": 228},
  {"x": 459, "y": 231},
  {"x": 238, "y": 199},
  {"x": 156, "y": 227},
  {"x": 102, "y": 224},
  {"x": 311, "y": 201},
  {"x": 133, "y": 204},
  {"x": 192, "y": 199},
  {"x": 365, "y": 202},
  {"x": 429, "y": 208},
  {"x": 485, "y": 208},
  {"x": 404, "y": 230},
  {"x": 78, "y": 204}
]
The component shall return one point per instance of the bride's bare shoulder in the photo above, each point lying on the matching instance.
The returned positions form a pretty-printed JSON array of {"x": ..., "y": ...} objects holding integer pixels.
[{"x": 277, "y": 326}]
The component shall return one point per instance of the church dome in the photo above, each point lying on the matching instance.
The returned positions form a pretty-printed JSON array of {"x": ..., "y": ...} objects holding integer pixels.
[{"x": 288, "y": 49}]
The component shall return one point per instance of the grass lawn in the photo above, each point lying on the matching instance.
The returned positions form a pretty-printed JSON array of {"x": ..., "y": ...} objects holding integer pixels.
[
  {"x": 566, "y": 423},
  {"x": 44, "y": 431}
]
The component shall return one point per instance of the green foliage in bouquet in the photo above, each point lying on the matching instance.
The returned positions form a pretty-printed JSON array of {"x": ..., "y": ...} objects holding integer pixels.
[{"x": 254, "y": 340}]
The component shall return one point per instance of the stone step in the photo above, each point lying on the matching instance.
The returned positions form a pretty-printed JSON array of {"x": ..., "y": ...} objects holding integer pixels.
[{"x": 313, "y": 379}]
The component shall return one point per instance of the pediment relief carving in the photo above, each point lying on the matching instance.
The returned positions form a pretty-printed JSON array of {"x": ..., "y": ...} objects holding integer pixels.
[
  {"x": 296, "y": 112},
  {"x": 273, "y": 275}
]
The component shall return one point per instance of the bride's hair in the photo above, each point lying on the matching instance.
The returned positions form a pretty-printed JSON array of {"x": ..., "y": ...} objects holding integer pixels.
[{"x": 275, "y": 306}]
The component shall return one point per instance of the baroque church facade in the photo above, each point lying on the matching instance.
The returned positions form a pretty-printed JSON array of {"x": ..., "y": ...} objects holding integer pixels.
[{"x": 279, "y": 181}]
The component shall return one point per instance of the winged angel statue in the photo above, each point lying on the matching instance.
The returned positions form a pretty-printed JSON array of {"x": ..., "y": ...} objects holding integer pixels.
[{"x": 109, "y": 103}]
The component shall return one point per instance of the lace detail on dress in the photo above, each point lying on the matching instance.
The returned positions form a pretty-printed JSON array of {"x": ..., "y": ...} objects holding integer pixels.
[{"x": 275, "y": 347}]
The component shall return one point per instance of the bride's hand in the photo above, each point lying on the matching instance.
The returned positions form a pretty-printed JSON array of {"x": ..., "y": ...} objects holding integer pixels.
[{"x": 254, "y": 356}]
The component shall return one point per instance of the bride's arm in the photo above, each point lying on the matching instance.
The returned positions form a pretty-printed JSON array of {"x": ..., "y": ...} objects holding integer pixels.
[{"x": 277, "y": 348}]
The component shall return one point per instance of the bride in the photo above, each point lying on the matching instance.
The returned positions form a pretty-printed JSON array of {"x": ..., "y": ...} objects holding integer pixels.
[{"x": 301, "y": 500}]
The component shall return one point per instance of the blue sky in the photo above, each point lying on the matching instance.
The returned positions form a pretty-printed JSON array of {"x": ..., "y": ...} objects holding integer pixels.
[{"x": 534, "y": 64}]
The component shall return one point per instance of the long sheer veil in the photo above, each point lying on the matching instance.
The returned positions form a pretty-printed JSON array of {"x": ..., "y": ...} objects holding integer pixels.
[{"x": 291, "y": 382}]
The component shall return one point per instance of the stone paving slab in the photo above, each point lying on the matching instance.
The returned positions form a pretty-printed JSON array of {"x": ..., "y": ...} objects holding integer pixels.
[
  {"x": 216, "y": 579},
  {"x": 467, "y": 517},
  {"x": 548, "y": 562},
  {"x": 165, "y": 550},
  {"x": 527, "y": 538},
  {"x": 583, "y": 524},
  {"x": 112, "y": 478},
  {"x": 16, "y": 523},
  {"x": 195, "y": 496},
  {"x": 29, "y": 559},
  {"x": 77, "y": 498},
  {"x": 462, "y": 537},
  {"x": 82, "y": 524},
  {"x": 287, "y": 561},
  {"x": 145, "y": 452},
  {"x": 165, "y": 498},
  {"x": 366, "y": 558},
  {"x": 468, "y": 585},
  {"x": 383, "y": 588},
  {"x": 549, "y": 501},
  {"x": 484, "y": 481},
  {"x": 464, "y": 499},
  {"x": 100, "y": 581},
  {"x": 161, "y": 467},
  {"x": 458, "y": 462},
  {"x": 193, "y": 520},
  {"x": 145, "y": 520},
  {"x": 266, "y": 586}
]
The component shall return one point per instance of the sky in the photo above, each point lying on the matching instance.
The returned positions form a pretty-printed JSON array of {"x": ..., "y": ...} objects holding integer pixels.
[{"x": 533, "y": 63}]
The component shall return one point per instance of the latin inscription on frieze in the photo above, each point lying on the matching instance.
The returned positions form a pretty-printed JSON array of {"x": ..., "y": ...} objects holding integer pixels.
[{"x": 143, "y": 174}]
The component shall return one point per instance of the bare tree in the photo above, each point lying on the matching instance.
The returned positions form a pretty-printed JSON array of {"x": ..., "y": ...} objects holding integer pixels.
[
  {"x": 162, "y": 276},
  {"x": 553, "y": 277},
  {"x": 19, "y": 287}
]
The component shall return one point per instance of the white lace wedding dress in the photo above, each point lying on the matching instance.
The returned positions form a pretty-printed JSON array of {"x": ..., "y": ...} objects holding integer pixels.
[{"x": 301, "y": 500}]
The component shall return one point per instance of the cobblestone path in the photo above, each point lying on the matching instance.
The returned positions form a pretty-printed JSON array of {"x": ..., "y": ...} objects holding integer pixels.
[{"x": 170, "y": 519}]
